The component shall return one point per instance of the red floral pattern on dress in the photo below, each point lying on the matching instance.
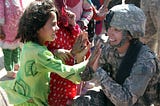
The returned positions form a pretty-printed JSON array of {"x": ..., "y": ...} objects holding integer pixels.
[{"x": 62, "y": 89}]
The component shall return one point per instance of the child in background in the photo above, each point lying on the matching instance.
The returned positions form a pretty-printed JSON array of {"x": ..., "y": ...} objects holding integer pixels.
[
  {"x": 82, "y": 9},
  {"x": 10, "y": 13},
  {"x": 62, "y": 90},
  {"x": 37, "y": 25}
]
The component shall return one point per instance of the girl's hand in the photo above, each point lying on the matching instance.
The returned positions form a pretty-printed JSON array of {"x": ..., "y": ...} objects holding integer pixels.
[
  {"x": 71, "y": 18},
  {"x": 80, "y": 43},
  {"x": 62, "y": 54},
  {"x": 81, "y": 56},
  {"x": 102, "y": 11}
]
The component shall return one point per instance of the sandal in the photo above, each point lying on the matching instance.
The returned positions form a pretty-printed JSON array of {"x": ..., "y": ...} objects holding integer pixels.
[{"x": 11, "y": 74}]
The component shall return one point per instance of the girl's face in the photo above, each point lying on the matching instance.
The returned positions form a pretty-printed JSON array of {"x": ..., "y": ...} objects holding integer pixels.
[
  {"x": 115, "y": 36},
  {"x": 47, "y": 32}
]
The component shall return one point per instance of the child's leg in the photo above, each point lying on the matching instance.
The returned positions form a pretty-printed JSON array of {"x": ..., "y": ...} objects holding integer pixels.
[
  {"x": 16, "y": 58},
  {"x": 8, "y": 63}
]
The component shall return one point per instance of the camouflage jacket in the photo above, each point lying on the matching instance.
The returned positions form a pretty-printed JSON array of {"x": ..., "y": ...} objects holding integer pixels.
[{"x": 138, "y": 89}]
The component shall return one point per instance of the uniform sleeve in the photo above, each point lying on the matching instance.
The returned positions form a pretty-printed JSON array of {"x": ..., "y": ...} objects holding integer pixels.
[
  {"x": 47, "y": 61},
  {"x": 2, "y": 17},
  {"x": 134, "y": 85},
  {"x": 87, "y": 12}
]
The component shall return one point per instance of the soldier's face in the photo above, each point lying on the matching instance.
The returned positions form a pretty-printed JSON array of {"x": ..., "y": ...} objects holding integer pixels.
[{"x": 115, "y": 36}]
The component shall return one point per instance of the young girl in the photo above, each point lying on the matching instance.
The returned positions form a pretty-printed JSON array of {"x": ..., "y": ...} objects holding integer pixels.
[
  {"x": 31, "y": 85},
  {"x": 65, "y": 39},
  {"x": 10, "y": 13}
]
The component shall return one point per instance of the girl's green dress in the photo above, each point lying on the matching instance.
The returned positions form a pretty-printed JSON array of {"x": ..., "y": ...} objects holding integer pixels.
[{"x": 32, "y": 80}]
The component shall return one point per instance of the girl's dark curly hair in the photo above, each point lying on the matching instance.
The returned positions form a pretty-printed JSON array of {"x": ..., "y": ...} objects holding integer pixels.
[{"x": 34, "y": 18}]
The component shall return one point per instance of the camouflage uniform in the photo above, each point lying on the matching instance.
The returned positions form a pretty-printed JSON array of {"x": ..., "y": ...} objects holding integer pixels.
[
  {"x": 140, "y": 82},
  {"x": 151, "y": 9},
  {"x": 116, "y": 2},
  {"x": 139, "y": 88}
]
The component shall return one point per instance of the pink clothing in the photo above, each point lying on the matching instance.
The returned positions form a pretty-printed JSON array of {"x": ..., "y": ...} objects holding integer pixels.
[
  {"x": 81, "y": 8},
  {"x": 10, "y": 13}
]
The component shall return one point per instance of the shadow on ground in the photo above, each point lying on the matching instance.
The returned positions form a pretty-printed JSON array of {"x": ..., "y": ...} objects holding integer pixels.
[
  {"x": 1, "y": 63},
  {"x": 3, "y": 71},
  {"x": 5, "y": 78}
]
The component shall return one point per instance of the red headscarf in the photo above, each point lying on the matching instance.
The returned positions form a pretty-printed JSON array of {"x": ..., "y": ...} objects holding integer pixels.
[{"x": 62, "y": 21}]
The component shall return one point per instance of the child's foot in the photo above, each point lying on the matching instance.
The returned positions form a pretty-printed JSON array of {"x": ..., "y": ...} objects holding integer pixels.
[
  {"x": 16, "y": 67},
  {"x": 89, "y": 85},
  {"x": 11, "y": 74}
]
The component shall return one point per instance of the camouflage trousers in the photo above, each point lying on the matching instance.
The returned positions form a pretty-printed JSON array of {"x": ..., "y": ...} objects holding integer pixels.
[
  {"x": 98, "y": 98},
  {"x": 92, "y": 98}
]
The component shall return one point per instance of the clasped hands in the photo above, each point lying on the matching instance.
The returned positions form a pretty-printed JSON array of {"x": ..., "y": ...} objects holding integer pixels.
[{"x": 78, "y": 51}]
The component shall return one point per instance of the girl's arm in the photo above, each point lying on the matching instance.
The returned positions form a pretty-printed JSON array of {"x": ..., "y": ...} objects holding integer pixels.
[{"x": 49, "y": 63}]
